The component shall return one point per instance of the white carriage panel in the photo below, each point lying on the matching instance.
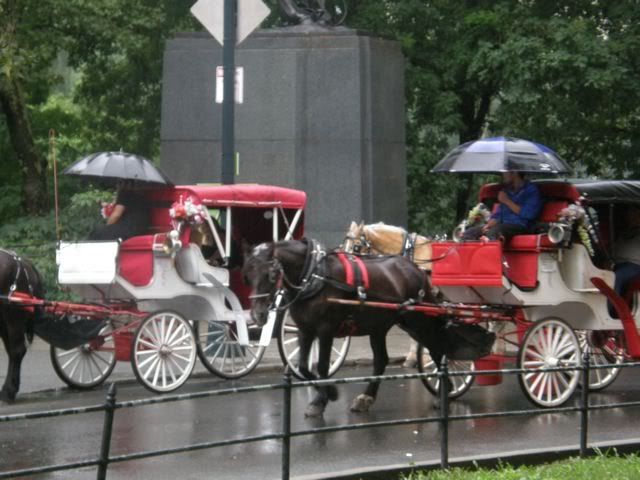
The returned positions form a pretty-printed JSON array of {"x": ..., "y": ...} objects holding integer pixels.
[
  {"x": 577, "y": 269},
  {"x": 87, "y": 262}
]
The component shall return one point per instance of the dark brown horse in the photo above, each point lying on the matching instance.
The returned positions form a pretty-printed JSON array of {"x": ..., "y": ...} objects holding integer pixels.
[
  {"x": 16, "y": 323},
  {"x": 310, "y": 278}
]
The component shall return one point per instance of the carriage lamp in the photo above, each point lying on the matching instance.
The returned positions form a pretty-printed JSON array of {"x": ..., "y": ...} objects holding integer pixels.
[
  {"x": 559, "y": 233},
  {"x": 172, "y": 243}
]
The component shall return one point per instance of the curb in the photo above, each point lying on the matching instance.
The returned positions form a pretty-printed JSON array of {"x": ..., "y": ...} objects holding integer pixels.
[{"x": 515, "y": 458}]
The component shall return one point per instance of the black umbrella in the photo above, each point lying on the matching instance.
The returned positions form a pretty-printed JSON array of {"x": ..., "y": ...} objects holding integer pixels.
[
  {"x": 117, "y": 166},
  {"x": 502, "y": 154}
]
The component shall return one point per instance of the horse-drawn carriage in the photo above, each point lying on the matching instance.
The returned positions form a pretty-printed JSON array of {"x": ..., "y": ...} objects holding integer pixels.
[
  {"x": 161, "y": 299},
  {"x": 547, "y": 296}
]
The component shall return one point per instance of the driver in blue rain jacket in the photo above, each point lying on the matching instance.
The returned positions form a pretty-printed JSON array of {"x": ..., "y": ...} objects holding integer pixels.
[{"x": 520, "y": 204}]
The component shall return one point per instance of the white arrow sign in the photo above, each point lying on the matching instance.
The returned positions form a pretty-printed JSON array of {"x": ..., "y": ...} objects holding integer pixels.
[{"x": 210, "y": 13}]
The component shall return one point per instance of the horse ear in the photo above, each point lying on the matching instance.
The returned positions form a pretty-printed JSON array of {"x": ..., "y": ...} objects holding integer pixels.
[
  {"x": 353, "y": 226},
  {"x": 361, "y": 223}
]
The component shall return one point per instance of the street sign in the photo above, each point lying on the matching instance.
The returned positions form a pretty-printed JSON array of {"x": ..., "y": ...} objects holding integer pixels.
[
  {"x": 239, "y": 85},
  {"x": 251, "y": 13},
  {"x": 210, "y": 13}
]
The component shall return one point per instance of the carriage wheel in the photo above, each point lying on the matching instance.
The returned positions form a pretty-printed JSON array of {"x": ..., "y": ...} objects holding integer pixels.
[
  {"x": 549, "y": 343},
  {"x": 163, "y": 351},
  {"x": 289, "y": 349},
  {"x": 220, "y": 352},
  {"x": 458, "y": 384},
  {"x": 605, "y": 348},
  {"x": 88, "y": 365}
]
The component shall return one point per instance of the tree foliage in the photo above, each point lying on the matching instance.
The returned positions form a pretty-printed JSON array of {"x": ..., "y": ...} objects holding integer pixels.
[{"x": 563, "y": 73}]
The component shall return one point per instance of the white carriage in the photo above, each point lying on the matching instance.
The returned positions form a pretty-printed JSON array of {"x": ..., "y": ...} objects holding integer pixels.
[
  {"x": 176, "y": 292},
  {"x": 546, "y": 296}
]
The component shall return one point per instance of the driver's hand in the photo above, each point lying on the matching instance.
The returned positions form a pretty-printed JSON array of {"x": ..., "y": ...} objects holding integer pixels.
[{"x": 502, "y": 197}]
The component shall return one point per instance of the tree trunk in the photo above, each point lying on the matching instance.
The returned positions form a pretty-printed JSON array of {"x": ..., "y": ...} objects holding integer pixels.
[{"x": 33, "y": 165}]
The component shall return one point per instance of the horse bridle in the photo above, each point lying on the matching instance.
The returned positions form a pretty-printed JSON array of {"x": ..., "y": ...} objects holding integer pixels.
[
  {"x": 364, "y": 246},
  {"x": 282, "y": 283}
]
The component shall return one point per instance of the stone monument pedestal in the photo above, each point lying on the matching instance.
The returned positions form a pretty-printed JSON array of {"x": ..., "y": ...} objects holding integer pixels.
[{"x": 323, "y": 112}]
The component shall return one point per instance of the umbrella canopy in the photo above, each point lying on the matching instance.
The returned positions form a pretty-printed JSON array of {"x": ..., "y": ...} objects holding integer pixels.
[
  {"x": 502, "y": 154},
  {"x": 117, "y": 166}
]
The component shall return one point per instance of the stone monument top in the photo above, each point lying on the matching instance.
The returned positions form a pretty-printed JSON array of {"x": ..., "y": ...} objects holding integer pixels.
[{"x": 313, "y": 15}]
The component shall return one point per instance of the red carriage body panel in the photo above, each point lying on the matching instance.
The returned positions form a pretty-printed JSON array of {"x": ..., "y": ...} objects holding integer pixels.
[{"x": 467, "y": 264}]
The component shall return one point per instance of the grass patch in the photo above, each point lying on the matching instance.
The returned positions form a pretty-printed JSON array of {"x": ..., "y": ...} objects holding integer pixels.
[{"x": 610, "y": 466}]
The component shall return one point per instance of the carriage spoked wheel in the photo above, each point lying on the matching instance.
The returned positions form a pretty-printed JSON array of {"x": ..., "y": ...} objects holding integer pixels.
[
  {"x": 549, "y": 343},
  {"x": 289, "y": 348},
  {"x": 458, "y": 385},
  {"x": 220, "y": 351},
  {"x": 88, "y": 365},
  {"x": 163, "y": 351},
  {"x": 605, "y": 349}
]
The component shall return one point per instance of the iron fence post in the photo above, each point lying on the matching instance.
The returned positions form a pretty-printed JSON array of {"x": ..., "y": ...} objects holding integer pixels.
[
  {"x": 584, "y": 403},
  {"x": 106, "y": 433},
  {"x": 286, "y": 426},
  {"x": 443, "y": 375}
]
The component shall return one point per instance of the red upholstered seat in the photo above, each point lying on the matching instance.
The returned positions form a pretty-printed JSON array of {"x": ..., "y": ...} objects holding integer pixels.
[
  {"x": 530, "y": 243},
  {"x": 521, "y": 252},
  {"x": 135, "y": 260}
]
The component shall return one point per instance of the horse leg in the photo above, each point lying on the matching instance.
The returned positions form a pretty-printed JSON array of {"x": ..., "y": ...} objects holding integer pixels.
[
  {"x": 436, "y": 356},
  {"x": 324, "y": 394},
  {"x": 363, "y": 402},
  {"x": 15, "y": 345},
  {"x": 411, "y": 358}
]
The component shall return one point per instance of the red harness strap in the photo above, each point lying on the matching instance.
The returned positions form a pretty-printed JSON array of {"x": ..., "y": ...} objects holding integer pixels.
[{"x": 348, "y": 262}]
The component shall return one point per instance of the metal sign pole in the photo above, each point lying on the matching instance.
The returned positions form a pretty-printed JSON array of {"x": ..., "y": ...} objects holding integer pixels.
[{"x": 228, "y": 103}]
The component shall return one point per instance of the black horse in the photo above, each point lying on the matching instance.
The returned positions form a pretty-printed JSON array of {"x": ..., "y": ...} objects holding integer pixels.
[
  {"x": 310, "y": 277},
  {"x": 16, "y": 323}
]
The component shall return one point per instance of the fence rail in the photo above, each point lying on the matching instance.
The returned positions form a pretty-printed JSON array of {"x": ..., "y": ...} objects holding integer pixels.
[{"x": 285, "y": 435}]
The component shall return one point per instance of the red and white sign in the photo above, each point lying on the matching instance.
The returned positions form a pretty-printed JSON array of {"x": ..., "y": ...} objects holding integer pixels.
[{"x": 239, "y": 85}]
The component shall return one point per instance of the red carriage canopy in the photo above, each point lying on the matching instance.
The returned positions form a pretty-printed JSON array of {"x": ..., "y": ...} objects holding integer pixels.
[{"x": 245, "y": 195}]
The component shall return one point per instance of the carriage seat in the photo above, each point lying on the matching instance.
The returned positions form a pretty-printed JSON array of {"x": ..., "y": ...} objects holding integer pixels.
[
  {"x": 521, "y": 251},
  {"x": 191, "y": 267},
  {"x": 555, "y": 195}
]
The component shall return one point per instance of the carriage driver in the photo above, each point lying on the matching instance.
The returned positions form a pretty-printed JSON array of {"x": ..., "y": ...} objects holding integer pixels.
[{"x": 520, "y": 204}]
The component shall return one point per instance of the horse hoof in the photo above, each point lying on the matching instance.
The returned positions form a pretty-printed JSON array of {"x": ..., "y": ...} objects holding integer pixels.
[
  {"x": 332, "y": 393},
  {"x": 314, "y": 411},
  {"x": 6, "y": 399},
  {"x": 362, "y": 403},
  {"x": 410, "y": 362}
]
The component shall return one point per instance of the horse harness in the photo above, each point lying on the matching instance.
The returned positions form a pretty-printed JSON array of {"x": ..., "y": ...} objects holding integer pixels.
[{"x": 20, "y": 268}]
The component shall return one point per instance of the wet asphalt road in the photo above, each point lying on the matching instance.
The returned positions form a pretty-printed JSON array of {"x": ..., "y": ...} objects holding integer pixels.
[{"x": 67, "y": 439}]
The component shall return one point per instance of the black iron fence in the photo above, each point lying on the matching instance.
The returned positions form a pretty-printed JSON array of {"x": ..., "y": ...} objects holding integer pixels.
[{"x": 443, "y": 418}]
